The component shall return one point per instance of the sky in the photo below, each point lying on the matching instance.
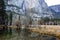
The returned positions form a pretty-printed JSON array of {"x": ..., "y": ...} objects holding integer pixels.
[{"x": 52, "y": 2}]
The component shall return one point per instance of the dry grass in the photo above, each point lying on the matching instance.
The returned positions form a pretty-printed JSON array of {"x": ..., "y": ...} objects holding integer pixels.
[{"x": 53, "y": 30}]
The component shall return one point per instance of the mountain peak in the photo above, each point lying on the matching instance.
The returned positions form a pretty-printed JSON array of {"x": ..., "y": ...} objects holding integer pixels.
[
  {"x": 38, "y": 7},
  {"x": 56, "y": 8}
]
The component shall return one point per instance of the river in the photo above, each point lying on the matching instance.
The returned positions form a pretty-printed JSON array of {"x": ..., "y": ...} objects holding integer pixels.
[{"x": 25, "y": 35}]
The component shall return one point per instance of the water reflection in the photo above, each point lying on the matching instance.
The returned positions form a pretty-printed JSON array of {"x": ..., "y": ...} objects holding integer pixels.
[{"x": 25, "y": 35}]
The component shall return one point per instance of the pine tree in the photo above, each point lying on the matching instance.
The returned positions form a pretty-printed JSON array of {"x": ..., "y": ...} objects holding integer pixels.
[{"x": 3, "y": 15}]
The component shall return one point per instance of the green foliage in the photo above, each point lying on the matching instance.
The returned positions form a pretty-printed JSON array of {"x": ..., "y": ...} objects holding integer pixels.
[
  {"x": 55, "y": 19},
  {"x": 10, "y": 16},
  {"x": 3, "y": 14},
  {"x": 46, "y": 19}
]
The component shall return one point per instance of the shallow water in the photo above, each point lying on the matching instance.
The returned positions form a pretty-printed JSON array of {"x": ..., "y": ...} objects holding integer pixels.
[{"x": 25, "y": 35}]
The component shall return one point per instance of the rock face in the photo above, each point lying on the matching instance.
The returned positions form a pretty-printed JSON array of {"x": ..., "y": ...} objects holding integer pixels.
[
  {"x": 56, "y": 11},
  {"x": 32, "y": 9},
  {"x": 56, "y": 8},
  {"x": 37, "y": 9},
  {"x": 37, "y": 6}
]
